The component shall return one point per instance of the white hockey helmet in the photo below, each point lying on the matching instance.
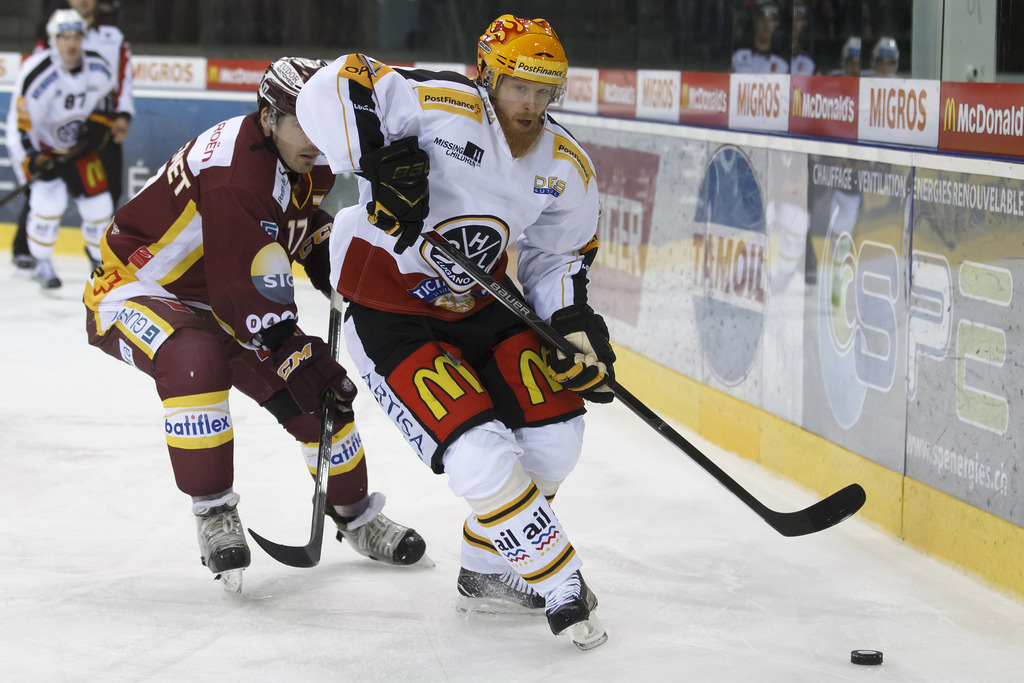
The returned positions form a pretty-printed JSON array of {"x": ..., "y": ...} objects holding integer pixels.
[
  {"x": 851, "y": 49},
  {"x": 63, "y": 21},
  {"x": 886, "y": 48}
]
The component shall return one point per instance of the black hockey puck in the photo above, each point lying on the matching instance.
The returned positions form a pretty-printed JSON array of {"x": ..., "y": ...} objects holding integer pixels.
[{"x": 866, "y": 657}]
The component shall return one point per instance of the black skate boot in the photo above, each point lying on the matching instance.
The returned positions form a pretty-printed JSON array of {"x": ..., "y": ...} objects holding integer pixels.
[
  {"x": 222, "y": 542},
  {"x": 569, "y": 610},
  {"x": 375, "y": 536},
  {"x": 504, "y": 593}
]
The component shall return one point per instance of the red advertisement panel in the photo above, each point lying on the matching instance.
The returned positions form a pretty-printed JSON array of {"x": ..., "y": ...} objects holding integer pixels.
[
  {"x": 986, "y": 118},
  {"x": 234, "y": 74},
  {"x": 704, "y": 99},
  {"x": 628, "y": 180},
  {"x": 616, "y": 93},
  {"x": 823, "y": 105}
]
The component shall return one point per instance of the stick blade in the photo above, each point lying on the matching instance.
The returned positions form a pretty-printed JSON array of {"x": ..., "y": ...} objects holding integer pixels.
[
  {"x": 294, "y": 556},
  {"x": 822, "y": 515}
]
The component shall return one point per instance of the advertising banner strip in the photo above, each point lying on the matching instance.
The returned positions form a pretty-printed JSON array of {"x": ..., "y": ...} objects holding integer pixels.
[
  {"x": 823, "y": 106},
  {"x": 704, "y": 99},
  {"x": 10, "y": 62},
  {"x": 900, "y": 111},
  {"x": 616, "y": 93},
  {"x": 169, "y": 73},
  {"x": 983, "y": 117},
  {"x": 759, "y": 102},
  {"x": 234, "y": 74}
]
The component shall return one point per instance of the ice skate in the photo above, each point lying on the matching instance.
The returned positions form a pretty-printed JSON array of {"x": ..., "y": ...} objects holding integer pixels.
[
  {"x": 501, "y": 593},
  {"x": 569, "y": 610},
  {"x": 375, "y": 536},
  {"x": 24, "y": 262},
  {"x": 222, "y": 541},
  {"x": 45, "y": 275}
]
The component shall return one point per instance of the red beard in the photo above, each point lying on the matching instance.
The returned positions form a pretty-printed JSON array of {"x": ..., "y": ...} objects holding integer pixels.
[{"x": 520, "y": 142}]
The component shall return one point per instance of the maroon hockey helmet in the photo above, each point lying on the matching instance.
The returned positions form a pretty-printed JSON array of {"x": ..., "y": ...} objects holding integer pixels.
[{"x": 282, "y": 81}]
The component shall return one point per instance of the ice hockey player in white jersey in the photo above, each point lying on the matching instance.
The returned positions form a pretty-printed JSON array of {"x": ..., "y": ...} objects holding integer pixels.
[
  {"x": 61, "y": 116},
  {"x": 473, "y": 389}
]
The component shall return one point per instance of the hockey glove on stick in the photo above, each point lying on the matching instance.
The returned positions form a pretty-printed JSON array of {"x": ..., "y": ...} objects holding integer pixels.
[
  {"x": 398, "y": 181},
  {"x": 306, "y": 365},
  {"x": 40, "y": 165},
  {"x": 93, "y": 135},
  {"x": 588, "y": 370}
]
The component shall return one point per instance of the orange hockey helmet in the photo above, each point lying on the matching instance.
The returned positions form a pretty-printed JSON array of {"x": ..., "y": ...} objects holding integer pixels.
[{"x": 522, "y": 48}]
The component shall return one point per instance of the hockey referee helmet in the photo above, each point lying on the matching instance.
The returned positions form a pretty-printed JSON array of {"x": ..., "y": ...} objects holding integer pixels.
[
  {"x": 64, "y": 21},
  {"x": 522, "y": 48},
  {"x": 282, "y": 81}
]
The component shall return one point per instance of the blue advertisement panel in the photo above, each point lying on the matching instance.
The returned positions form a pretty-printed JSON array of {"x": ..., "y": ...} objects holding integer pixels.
[
  {"x": 856, "y": 308},
  {"x": 966, "y": 345}
]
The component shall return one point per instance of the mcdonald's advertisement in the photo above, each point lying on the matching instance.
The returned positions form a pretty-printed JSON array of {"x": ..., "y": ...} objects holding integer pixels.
[
  {"x": 966, "y": 346},
  {"x": 823, "y": 105},
  {"x": 983, "y": 117}
]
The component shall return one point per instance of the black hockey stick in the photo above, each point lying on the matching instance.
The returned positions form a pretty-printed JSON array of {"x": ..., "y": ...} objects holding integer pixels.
[
  {"x": 309, "y": 555},
  {"x": 822, "y": 515},
  {"x": 20, "y": 189}
]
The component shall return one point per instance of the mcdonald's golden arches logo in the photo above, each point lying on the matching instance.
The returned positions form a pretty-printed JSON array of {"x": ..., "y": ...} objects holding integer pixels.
[
  {"x": 949, "y": 115},
  {"x": 797, "y": 105}
]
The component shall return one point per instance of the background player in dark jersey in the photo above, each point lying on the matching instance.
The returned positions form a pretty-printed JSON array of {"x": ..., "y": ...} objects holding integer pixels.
[{"x": 195, "y": 289}]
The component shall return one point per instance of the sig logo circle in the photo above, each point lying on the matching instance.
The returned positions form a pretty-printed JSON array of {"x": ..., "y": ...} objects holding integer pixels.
[{"x": 730, "y": 265}]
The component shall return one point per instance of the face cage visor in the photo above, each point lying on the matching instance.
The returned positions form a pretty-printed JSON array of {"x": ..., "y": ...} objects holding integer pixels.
[
  {"x": 557, "y": 91},
  {"x": 286, "y": 127}
]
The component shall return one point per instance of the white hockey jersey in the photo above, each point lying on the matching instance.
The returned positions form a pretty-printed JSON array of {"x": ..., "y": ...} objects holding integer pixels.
[
  {"x": 481, "y": 198},
  {"x": 51, "y": 103},
  {"x": 109, "y": 42}
]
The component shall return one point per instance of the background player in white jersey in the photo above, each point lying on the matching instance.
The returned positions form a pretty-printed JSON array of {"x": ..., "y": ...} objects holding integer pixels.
[
  {"x": 470, "y": 386},
  {"x": 61, "y": 118},
  {"x": 195, "y": 289},
  {"x": 109, "y": 42}
]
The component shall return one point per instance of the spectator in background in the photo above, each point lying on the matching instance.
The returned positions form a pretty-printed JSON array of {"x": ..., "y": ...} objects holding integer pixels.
[
  {"x": 885, "y": 58},
  {"x": 801, "y": 63},
  {"x": 759, "y": 58},
  {"x": 110, "y": 43},
  {"x": 849, "y": 58}
]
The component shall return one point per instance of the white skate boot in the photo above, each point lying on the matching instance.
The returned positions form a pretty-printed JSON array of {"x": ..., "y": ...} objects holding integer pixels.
[
  {"x": 375, "y": 536},
  {"x": 45, "y": 275},
  {"x": 222, "y": 540}
]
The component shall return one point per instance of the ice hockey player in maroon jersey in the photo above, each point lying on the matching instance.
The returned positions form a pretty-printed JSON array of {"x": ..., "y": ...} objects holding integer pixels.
[
  {"x": 195, "y": 289},
  {"x": 470, "y": 386}
]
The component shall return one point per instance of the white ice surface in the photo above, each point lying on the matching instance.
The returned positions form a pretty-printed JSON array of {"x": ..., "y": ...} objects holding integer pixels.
[{"x": 100, "y": 577}]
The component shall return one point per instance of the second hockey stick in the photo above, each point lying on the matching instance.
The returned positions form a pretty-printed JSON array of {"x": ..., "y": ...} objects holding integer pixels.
[
  {"x": 309, "y": 555},
  {"x": 824, "y": 514}
]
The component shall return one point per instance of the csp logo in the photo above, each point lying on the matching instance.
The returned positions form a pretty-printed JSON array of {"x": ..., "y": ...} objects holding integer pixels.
[
  {"x": 730, "y": 272},
  {"x": 482, "y": 238}
]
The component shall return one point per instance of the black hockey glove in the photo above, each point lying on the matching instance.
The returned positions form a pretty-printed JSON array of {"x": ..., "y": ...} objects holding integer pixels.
[
  {"x": 398, "y": 179},
  {"x": 306, "y": 365},
  {"x": 40, "y": 165},
  {"x": 588, "y": 371},
  {"x": 93, "y": 135}
]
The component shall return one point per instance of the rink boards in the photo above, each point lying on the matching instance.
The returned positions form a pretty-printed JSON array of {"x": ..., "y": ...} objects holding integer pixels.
[{"x": 835, "y": 311}]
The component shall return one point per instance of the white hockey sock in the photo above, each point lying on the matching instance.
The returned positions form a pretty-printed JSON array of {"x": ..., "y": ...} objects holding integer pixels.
[
  {"x": 523, "y": 528},
  {"x": 42, "y": 236}
]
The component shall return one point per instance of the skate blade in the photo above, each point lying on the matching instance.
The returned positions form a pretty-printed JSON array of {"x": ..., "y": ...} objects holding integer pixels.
[
  {"x": 586, "y": 635},
  {"x": 231, "y": 581},
  {"x": 468, "y": 605}
]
